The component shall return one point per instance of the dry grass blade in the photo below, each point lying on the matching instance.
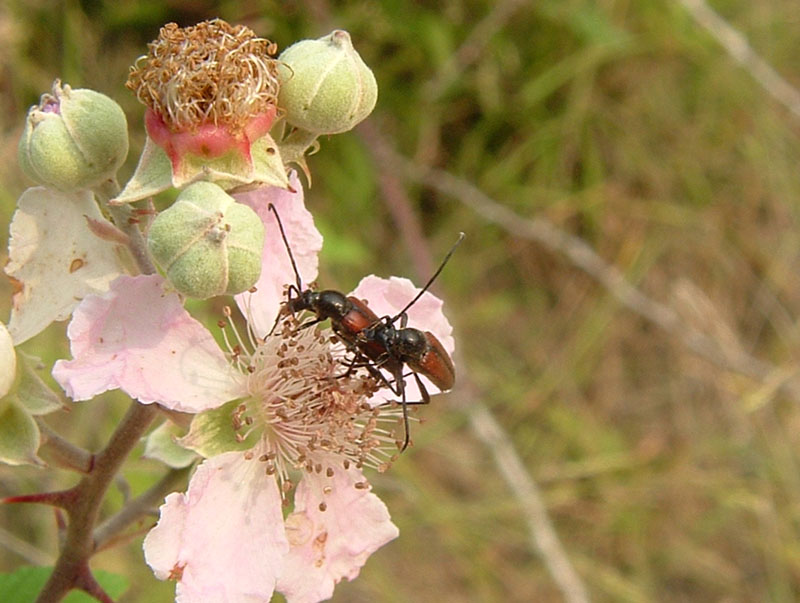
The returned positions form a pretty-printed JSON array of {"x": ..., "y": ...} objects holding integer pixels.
[
  {"x": 738, "y": 48},
  {"x": 542, "y": 533}
]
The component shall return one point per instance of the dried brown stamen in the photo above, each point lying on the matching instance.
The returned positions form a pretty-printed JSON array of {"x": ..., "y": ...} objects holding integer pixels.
[{"x": 210, "y": 73}]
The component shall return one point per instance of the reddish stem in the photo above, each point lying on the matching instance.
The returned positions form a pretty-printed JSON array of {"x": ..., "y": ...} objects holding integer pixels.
[
  {"x": 82, "y": 507},
  {"x": 61, "y": 499}
]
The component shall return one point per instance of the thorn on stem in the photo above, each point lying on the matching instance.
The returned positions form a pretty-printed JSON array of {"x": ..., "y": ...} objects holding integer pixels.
[{"x": 61, "y": 499}]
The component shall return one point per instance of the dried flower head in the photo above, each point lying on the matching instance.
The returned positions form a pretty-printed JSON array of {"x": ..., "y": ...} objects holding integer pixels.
[{"x": 209, "y": 73}]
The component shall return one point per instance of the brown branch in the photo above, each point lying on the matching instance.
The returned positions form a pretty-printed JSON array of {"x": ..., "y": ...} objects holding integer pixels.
[{"x": 72, "y": 565}]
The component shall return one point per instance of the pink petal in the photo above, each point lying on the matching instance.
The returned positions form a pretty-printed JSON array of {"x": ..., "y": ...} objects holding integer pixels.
[
  {"x": 386, "y": 297},
  {"x": 329, "y": 545},
  {"x": 224, "y": 539},
  {"x": 276, "y": 270},
  {"x": 138, "y": 338}
]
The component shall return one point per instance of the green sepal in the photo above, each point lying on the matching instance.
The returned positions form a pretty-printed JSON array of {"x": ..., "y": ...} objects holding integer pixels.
[
  {"x": 326, "y": 87},
  {"x": 211, "y": 433},
  {"x": 269, "y": 167},
  {"x": 19, "y": 434},
  {"x": 297, "y": 146},
  {"x": 153, "y": 175},
  {"x": 207, "y": 243},
  {"x": 74, "y": 139},
  {"x": 32, "y": 392},
  {"x": 162, "y": 445}
]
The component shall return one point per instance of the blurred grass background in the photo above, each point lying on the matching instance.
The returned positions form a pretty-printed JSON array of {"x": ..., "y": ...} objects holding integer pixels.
[{"x": 666, "y": 475}]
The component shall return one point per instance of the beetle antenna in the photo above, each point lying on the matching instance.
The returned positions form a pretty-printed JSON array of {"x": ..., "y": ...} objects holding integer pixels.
[
  {"x": 430, "y": 280},
  {"x": 288, "y": 248}
]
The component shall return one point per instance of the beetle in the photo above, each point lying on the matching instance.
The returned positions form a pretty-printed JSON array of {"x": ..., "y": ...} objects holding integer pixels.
[
  {"x": 376, "y": 343},
  {"x": 391, "y": 348},
  {"x": 348, "y": 314}
]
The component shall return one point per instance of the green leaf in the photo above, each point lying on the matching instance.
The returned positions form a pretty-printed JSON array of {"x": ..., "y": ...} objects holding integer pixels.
[
  {"x": 24, "y": 584},
  {"x": 19, "y": 435},
  {"x": 33, "y": 393},
  {"x": 161, "y": 445},
  {"x": 211, "y": 433}
]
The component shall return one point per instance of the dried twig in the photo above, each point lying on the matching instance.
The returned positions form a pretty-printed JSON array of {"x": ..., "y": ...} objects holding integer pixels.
[
  {"x": 27, "y": 551},
  {"x": 737, "y": 46},
  {"x": 540, "y": 529},
  {"x": 732, "y": 358}
]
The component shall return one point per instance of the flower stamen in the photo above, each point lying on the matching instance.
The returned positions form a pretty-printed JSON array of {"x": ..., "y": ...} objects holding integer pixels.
[{"x": 210, "y": 73}]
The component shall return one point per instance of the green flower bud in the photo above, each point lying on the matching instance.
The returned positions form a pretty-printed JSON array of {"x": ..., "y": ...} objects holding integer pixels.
[
  {"x": 73, "y": 139},
  {"x": 326, "y": 88},
  {"x": 8, "y": 361},
  {"x": 207, "y": 243}
]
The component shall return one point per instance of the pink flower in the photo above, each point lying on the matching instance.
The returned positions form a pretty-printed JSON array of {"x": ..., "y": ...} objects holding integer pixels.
[{"x": 275, "y": 412}]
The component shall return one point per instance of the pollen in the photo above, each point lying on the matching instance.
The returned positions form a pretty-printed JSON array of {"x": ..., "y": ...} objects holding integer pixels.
[
  {"x": 313, "y": 412},
  {"x": 209, "y": 73}
]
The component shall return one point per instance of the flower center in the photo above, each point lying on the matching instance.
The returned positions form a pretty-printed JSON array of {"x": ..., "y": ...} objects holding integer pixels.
[{"x": 311, "y": 409}]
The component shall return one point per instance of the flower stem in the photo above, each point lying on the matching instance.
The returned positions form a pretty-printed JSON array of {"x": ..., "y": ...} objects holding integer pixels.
[
  {"x": 124, "y": 220},
  {"x": 79, "y": 545},
  {"x": 64, "y": 453},
  {"x": 105, "y": 534}
]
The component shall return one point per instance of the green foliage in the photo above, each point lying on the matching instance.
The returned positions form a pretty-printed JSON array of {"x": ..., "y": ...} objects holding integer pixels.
[{"x": 23, "y": 584}]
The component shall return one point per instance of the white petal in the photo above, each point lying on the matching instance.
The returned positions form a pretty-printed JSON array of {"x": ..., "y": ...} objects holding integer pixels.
[
  {"x": 142, "y": 340},
  {"x": 54, "y": 258},
  {"x": 8, "y": 361}
]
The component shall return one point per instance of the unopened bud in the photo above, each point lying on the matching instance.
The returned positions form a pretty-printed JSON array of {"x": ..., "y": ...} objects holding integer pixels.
[
  {"x": 326, "y": 88},
  {"x": 73, "y": 139},
  {"x": 8, "y": 361},
  {"x": 207, "y": 243}
]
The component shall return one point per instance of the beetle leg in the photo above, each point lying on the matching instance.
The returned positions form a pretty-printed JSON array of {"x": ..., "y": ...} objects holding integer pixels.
[
  {"x": 373, "y": 368},
  {"x": 310, "y": 323},
  {"x": 396, "y": 388},
  {"x": 426, "y": 397},
  {"x": 400, "y": 382}
]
